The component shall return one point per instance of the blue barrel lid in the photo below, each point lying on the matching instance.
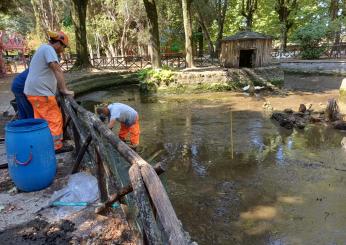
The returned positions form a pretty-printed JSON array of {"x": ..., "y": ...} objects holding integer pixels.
[{"x": 26, "y": 125}]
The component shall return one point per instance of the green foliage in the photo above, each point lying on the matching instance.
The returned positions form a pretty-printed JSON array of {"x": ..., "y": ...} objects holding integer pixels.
[
  {"x": 309, "y": 38},
  {"x": 67, "y": 21},
  {"x": 7, "y": 6},
  {"x": 151, "y": 79}
]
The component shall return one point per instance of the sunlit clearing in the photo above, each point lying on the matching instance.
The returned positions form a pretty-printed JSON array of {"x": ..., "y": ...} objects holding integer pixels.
[
  {"x": 260, "y": 213},
  {"x": 291, "y": 200}
]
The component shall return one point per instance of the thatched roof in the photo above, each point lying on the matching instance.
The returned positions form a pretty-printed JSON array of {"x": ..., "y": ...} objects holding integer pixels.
[{"x": 244, "y": 35}]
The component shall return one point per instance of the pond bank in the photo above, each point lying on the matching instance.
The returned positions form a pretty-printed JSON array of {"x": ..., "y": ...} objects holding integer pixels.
[{"x": 326, "y": 67}]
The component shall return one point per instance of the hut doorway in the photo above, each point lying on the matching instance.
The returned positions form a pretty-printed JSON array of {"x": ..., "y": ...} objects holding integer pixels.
[{"x": 247, "y": 58}]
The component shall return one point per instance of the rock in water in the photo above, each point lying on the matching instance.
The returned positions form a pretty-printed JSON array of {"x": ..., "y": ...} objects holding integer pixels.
[
  {"x": 302, "y": 108},
  {"x": 288, "y": 110},
  {"x": 283, "y": 120},
  {"x": 341, "y": 125}
]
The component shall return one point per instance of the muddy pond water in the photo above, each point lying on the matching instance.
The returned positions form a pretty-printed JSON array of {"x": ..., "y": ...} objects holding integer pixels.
[{"x": 234, "y": 176}]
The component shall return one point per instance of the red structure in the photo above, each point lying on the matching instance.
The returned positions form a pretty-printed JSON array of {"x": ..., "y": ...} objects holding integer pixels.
[{"x": 8, "y": 43}]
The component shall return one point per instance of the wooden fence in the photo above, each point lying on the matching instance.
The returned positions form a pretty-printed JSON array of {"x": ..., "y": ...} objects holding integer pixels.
[
  {"x": 177, "y": 60},
  {"x": 140, "y": 62},
  {"x": 123, "y": 176}
]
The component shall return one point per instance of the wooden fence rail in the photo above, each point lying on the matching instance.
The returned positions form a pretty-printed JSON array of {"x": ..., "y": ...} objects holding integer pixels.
[
  {"x": 177, "y": 60},
  {"x": 156, "y": 220}
]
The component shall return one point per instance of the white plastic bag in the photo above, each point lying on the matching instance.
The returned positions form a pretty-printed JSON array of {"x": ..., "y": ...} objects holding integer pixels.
[{"x": 81, "y": 187}]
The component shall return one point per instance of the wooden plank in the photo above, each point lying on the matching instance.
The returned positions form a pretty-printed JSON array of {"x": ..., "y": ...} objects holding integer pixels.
[
  {"x": 80, "y": 155},
  {"x": 149, "y": 226},
  {"x": 104, "y": 154},
  {"x": 159, "y": 169},
  {"x": 101, "y": 176},
  {"x": 170, "y": 223}
]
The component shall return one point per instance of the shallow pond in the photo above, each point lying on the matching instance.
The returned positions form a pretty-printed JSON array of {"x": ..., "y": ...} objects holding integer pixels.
[{"x": 234, "y": 176}]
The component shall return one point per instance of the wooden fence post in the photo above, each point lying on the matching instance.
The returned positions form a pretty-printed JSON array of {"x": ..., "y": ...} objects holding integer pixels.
[
  {"x": 170, "y": 223},
  {"x": 81, "y": 153},
  {"x": 149, "y": 226},
  {"x": 101, "y": 176}
]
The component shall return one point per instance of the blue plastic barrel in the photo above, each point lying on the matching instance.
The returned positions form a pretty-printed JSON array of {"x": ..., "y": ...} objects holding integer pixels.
[{"x": 30, "y": 154}]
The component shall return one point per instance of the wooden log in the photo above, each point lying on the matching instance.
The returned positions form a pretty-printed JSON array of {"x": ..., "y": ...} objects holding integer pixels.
[
  {"x": 110, "y": 182},
  {"x": 101, "y": 176},
  {"x": 81, "y": 153},
  {"x": 77, "y": 138},
  {"x": 159, "y": 169},
  {"x": 170, "y": 223},
  {"x": 69, "y": 110},
  {"x": 76, "y": 126},
  {"x": 149, "y": 226},
  {"x": 67, "y": 122}
]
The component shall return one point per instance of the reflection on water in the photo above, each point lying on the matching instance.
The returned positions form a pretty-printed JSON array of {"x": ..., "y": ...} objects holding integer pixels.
[{"x": 234, "y": 177}]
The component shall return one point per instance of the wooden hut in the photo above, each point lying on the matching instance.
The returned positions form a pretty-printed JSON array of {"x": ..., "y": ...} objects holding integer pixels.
[{"x": 246, "y": 49}]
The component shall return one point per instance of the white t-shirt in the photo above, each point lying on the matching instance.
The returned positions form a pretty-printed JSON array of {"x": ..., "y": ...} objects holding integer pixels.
[
  {"x": 41, "y": 80},
  {"x": 123, "y": 113}
]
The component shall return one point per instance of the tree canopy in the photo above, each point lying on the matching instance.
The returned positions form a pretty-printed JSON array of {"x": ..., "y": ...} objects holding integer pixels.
[{"x": 132, "y": 27}]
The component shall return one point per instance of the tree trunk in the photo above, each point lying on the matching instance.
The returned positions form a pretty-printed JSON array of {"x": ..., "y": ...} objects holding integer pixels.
[
  {"x": 248, "y": 11},
  {"x": 333, "y": 13},
  {"x": 79, "y": 17},
  {"x": 222, "y": 8},
  {"x": 284, "y": 8},
  {"x": 154, "y": 38},
  {"x": 45, "y": 16},
  {"x": 249, "y": 21},
  {"x": 186, "y": 4},
  {"x": 97, "y": 41},
  {"x": 123, "y": 40},
  {"x": 91, "y": 53},
  {"x": 283, "y": 37},
  {"x": 206, "y": 33},
  {"x": 200, "y": 42}
]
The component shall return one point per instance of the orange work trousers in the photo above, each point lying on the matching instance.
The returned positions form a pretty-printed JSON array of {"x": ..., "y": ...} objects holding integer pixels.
[
  {"x": 133, "y": 130},
  {"x": 46, "y": 107}
]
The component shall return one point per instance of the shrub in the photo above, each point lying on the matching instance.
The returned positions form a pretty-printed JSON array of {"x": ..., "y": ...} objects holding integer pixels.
[
  {"x": 151, "y": 79},
  {"x": 309, "y": 38}
]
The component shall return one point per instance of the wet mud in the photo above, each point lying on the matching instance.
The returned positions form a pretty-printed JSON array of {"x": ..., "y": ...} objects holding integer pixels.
[{"x": 39, "y": 231}]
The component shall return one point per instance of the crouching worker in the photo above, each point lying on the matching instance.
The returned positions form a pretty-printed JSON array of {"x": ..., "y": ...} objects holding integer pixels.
[
  {"x": 128, "y": 119},
  {"x": 23, "y": 105}
]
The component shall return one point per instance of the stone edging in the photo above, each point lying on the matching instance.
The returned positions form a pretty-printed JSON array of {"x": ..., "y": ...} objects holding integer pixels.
[
  {"x": 327, "y": 67},
  {"x": 83, "y": 84}
]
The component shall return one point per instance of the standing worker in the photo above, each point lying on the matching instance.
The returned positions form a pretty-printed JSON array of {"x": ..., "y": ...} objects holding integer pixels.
[
  {"x": 23, "y": 105},
  {"x": 45, "y": 76},
  {"x": 128, "y": 118}
]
